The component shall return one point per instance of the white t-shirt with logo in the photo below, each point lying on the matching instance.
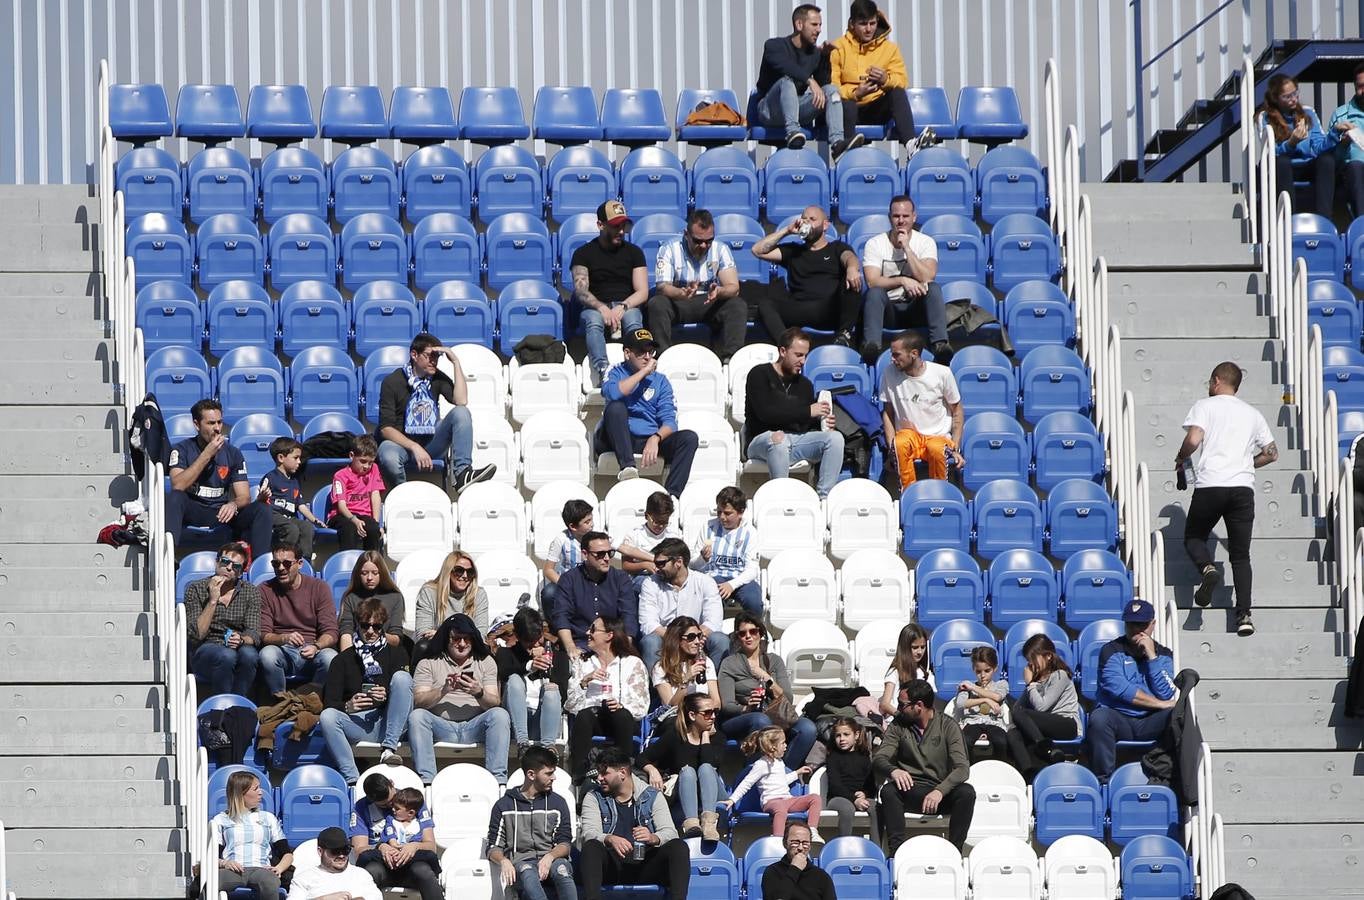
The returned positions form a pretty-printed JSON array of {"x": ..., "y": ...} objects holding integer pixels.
[
  {"x": 880, "y": 255},
  {"x": 920, "y": 402},
  {"x": 1234, "y": 432}
]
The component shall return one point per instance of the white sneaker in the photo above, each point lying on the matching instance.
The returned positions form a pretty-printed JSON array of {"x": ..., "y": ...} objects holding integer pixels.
[
  {"x": 391, "y": 757},
  {"x": 627, "y": 473}
]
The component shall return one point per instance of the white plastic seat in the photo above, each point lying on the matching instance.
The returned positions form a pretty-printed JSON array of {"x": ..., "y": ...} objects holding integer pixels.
[
  {"x": 717, "y": 446},
  {"x": 874, "y": 648},
  {"x": 622, "y": 509},
  {"x": 470, "y": 878},
  {"x": 418, "y": 516},
  {"x": 697, "y": 378},
  {"x": 495, "y": 443},
  {"x": 492, "y": 516},
  {"x": 816, "y": 654},
  {"x": 875, "y": 584},
  {"x": 401, "y": 776},
  {"x": 1078, "y": 867},
  {"x": 1003, "y": 802},
  {"x": 307, "y": 856},
  {"x": 696, "y": 506},
  {"x": 615, "y": 354},
  {"x": 928, "y": 867},
  {"x": 506, "y": 575},
  {"x": 415, "y": 570},
  {"x": 800, "y": 585},
  {"x": 554, "y": 447},
  {"x": 861, "y": 515},
  {"x": 461, "y": 800},
  {"x": 485, "y": 377},
  {"x": 1005, "y": 868},
  {"x": 546, "y": 511},
  {"x": 788, "y": 516},
  {"x": 543, "y": 386},
  {"x": 736, "y": 373}
]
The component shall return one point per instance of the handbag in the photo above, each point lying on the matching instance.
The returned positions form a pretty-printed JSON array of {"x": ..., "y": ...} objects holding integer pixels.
[{"x": 782, "y": 713}]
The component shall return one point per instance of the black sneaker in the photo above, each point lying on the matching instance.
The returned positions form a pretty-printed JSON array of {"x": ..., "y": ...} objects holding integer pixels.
[
  {"x": 942, "y": 353},
  {"x": 470, "y": 475},
  {"x": 795, "y": 140},
  {"x": 1244, "y": 627},
  {"x": 844, "y": 338},
  {"x": 852, "y": 143},
  {"x": 1203, "y": 594},
  {"x": 870, "y": 353}
]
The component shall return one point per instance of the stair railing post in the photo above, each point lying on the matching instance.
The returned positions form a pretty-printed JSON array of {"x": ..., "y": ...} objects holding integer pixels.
[
  {"x": 1345, "y": 525},
  {"x": 1056, "y": 185},
  {"x": 1139, "y": 88},
  {"x": 1248, "y": 146}
]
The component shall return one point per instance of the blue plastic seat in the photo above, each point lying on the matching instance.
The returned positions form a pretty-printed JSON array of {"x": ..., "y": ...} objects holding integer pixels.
[
  {"x": 384, "y": 314},
  {"x": 1067, "y": 799},
  {"x": 652, "y": 180},
  {"x": 990, "y": 115},
  {"x": 995, "y": 447},
  {"x": 422, "y": 115},
  {"x": 565, "y": 115},
  {"x": 364, "y": 180},
  {"x": 179, "y": 377},
  {"x": 220, "y": 180},
  {"x": 634, "y": 116},
  {"x": 1316, "y": 241},
  {"x": 323, "y": 380},
  {"x": 251, "y": 380},
  {"x": 217, "y": 789},
  {"x": 1342, "y": 371},
  {"x": 312, "y": 798},
  {"x": 793, "y": 180},
  {"x": 1349, "y": 425},
  {"x": 1017, "y": 636},
  {"x": 149, "y": 178},
  {"x": 353, "y": 114},
  {"x": 740, "y": 233},
  {"x": 1066, "y": 445},
  {"x": 338, "y": 569},
  {"x": 492, "y": 115},
  {"x": 858, "y": 868},
  {"x": 332, "y": 421},
  {"x": 312, "y": 314},
  {"x": 578, "y": 180},
  {"x": 161, "y": 249},
  {"x": 1023, "y": 586},
  {"x": 240, "y": 314},
  {"x": 1010, "y": 180},
  {"x": 760, "y": 854},
  {"x": 279, "y": 113},
  {"x": 1096, "y": 585},
  {"x": 985, "y": 380},
  {"x": 445, "y": 247},
  {"x": 293, "y": 180},
  {"x": 1087, "y": 646},
  {"x": 1338, "y": 319},
  {"x": 948, "y": 585},
  {"x": 373, "y": 248},
  {"x": 508, "y": 180},
  {"x": 962, "y": 249},
  {"x": 934, "y": 514},
  {"x": 940, "y": 182},
  {"x": 528, "y": 307},
  {"x": 761, "y": 133},
  {"x": 517, "y": 246},
  {"x": 1053, "y": 379},
  {"x": 252, "y": 435},
  {"x": 1007, "y": 517},
  {"x": 194, "y": 567},
  {"x": 865, "y": 180},
  {"x": 170, "y": 315},
  {"x": 208, "y": 113},
  {"x": 831, "y": 366},
  {"x": 725, "y": 180},
  {"x": 436, "y": 179},
  {"x": 139, "y": 112},
  {"x": 458, "y": 312},
  {"x": 1136, "y": 807},
  {"x": 572, "y": 234},
  {"x": 180, "y": 427},
  {"x": 229, "y": 249},
  {"x": 1037, "y": 313},
  {"x": 1080, "y": 516},
  {"x": 715, "y": 872},
  {"x": 865, "y": 228},
  {"x": 949, "y": 648},
  {"x": 1022, "y": 248},
  {"x": 1354, "y": 248},
  {"x": 301, "y": 248},
  {"x": 932, "y": 109},
  {"x": 688, "y": 100},
  {"x": 651, "y": 233},
  {"x": 1155, "y": 867}
]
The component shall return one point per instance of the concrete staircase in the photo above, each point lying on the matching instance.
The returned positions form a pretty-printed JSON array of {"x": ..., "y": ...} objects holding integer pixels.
[
  {"x": 1186, "y": 293},
  {"x": 88, "y": 788}
]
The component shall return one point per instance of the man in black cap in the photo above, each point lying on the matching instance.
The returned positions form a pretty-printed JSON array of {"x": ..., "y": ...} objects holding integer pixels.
[
  {"x": 1136, "y": 689},
  {"x": 610, "y": 283},
  {"x": 334, "y": 876},
  {"x": 641, "y": 416}
]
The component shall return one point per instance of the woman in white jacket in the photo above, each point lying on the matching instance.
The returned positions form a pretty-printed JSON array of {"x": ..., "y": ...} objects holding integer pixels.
[{"x": 608, "y": 692}]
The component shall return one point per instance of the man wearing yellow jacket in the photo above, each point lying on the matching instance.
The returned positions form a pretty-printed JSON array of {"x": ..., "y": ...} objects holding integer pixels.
[{"x": 868, "y": 70}]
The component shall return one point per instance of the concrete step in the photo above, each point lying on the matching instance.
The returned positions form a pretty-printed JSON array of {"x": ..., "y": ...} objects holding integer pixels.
[
  {"x": 1160, "y": 432},
  {"x": 76, "y": 349},
  {"x": 1288, "y": 572},
  {"x": 133, "y": 793},
  {"x": 72, "y": 743},
  {"x": 95, "y": 840},
  {"x": 84, "y": 417},
  {"x": 1173, "y": 244},
  {"x": 1295, "y": 861},
  {"x": 58, "y": 520},
  {"x": 104, "y": 768},
  {"x": 1192, "y": 201},
  {"x": 1331, "y": 798},
  {"x": 78, "y": 325},
  {"x": 70, "y": 440},
  {"x": 48, "y": 393},
  {"x": 95, "y": 556},
  {"x": 49, "y": 248},
  {"x": 93, "y": 625},
  {"x": 104, "y": 697},
  {"x": 20, "y": 583},
  {"x": 1221, "y": 655},
  {"x": 1220, "y": 619},
  {"x": 49, "y": 203},
  {"x": 1250, "y": 713},
  {"x": 1276, "y": 515},
  {"x": 135, "y": 811},
  {"x": 145, "y": 874},
  {"x": 65, "y": 453},
  {"x": 90, "y": 600},
  {"x": 1228, "y": 304},
  {"x": 1186, "y": 362},
  {"x": 102, "y": 661}
]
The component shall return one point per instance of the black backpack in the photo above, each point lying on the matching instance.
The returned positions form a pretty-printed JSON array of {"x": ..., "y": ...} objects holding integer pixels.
[{"x": 539, "y": 348}]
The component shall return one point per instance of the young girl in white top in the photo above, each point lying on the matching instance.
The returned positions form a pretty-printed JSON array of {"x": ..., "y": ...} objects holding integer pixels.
[
  {"x": 774, "y": 779},
  {"x": 911, "y": 662}
]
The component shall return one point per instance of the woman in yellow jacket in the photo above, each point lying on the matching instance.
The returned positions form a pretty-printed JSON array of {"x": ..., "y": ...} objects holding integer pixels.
[{"x": 868, "y": 69}]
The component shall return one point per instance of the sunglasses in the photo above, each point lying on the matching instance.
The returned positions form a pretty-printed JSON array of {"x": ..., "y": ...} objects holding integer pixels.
[
  {"x": 601, "y": 554},
  {"x": 458, "y": 637},
  {"x": 231, "y": 563},
  {"x": 371, "y": 626},
  {"x": 663, "y": 561},
  {"x": 708, "y": 713},
  {"x": 283, "y": 563},
  {"x": 692, "y": 636},
  {"x": 463, "y": 571},
  {"x": 749, "y": 632}
]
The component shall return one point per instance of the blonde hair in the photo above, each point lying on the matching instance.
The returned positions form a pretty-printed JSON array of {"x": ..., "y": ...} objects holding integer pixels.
[
  {"x": 238, "y": 783},
  {"x": 441, "y": 586},
  {"x": 763, "y": 741}
]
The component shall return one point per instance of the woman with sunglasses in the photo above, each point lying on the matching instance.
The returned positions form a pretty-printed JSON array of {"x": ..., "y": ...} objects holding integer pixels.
[
  {"x": 751, "y": 680},
  {"x": 454, "y": 590},
  {"x": 683, "y": 667},
  {"x": 608, "y": 692},
  {"x": 1299, "y": 139},
  {"x": 687, "y": 756},
  {"x": 223, "y": 611},
  {"x": 371, "y": 578},
  {"x": 368, "y": 694}
]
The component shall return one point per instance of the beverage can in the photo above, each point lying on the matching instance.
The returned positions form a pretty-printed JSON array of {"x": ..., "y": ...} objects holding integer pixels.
[
  {"x": 227, "y": 635},
  {"x": 826, "y": 398}
]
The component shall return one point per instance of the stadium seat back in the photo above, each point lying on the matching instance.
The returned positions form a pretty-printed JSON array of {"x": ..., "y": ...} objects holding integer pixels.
[
  {"x": 578, "y": 179},
  {"x": 364, "y": 180},
  {"x": 962, "y": 251},
  {"x": 422, "y": 115},
  {"x": 312, "y": 314},
  {"x": 250, "y": 380},
  {"x": 459, "y": 312},
  {"x": 865, "y": 180},
  {"x": 633, "y": 116},
  {"x": 1007, "y": 517},
  {"x": 293, "y": 180},
  {"x": 1080, "y": 516},
  {"x": 161, "y": 248},
  {"x": 1010, "y": 180},
  {"x": 949, "y": 585},
  {"x": 1017, "y": 636},
  {"x": 239, "y": 314},
  {"x": 725, "y": 180},
  {"x": 986, "y": 380},
  {"x": 795, "y": 179},
  {"x": 990, "y": 115},
  {"x": 436, "y": 180},
  {"x": 279, "y": 113},
  {"x": 323, "y": 380},
  {"x": 1053, "y": 379},
  {"x": 995, "y": 447},
  {"x": 940, "y": 182},
  {"x": 170, "y": 315},
  {"x": 1316, "y": 241},
  {"x": 373, "y": 248},
  {"x": 301, "y": 248},
  {"x": 1067, "y": 799},
  {"x": 353, "y": 113},
  {"x": 445, "y": 247},
  {"x": 508, "y": 180},
  {"x": 565, "y": 115},
  {"x": 652, "y": 180},
  {"x": 518, "y": 247},
  {"x": 1023, "y": 248},
  {"x": 934, "y": 514},
  {"x": 139, "y": 112},
  {"x": 313, "y": 798},
  {"x": 149, "y": 178},
  {"x": 492, "y": 115},
  {"x": 384, "y": 314}
]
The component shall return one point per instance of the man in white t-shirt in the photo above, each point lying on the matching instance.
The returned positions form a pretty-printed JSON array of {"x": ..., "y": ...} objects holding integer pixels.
[
  {"x": 334, "y": 876},
  {"x": 922, "y": 409},
  {"x": 900, "y": 267},
  {"x": 1235, "y": 441}
]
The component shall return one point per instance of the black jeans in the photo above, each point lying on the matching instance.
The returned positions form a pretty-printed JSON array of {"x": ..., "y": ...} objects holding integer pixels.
[
  {"x": 349, "y": 539},
  {"x": 778, "y": 310},
  {"x": 619, "y": 726},
  {"x": 668, "y": 864},
  {"x": 959, "y": 805},
  {"x": 1354, "y": 187},
  {"x": 727, "y": 320},
  {"x": 677, "y": 449},
  {"x": 1322, "y": 177},
  {"x": 419, "y": 874},
  {"x": 893, "y": 104},
  {"x": 999, "y": 742},
  {"x": 1236, "y": 507},
  {"x": 1031, "y": 729}
]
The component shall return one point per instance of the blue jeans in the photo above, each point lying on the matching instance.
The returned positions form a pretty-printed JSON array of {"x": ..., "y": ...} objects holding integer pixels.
[
  {"x": 821, "y": 448},
  {"x": 491, "y": 728},
  {"x": 223, "y": 670},
  {"x": 1108, "y": 726},
  {"x": 385, "y": 724},
  {"x": 783, "y": 108},
  {"x": 800, "y": 737},
  {"x": 454, "y": 438},
  {"x": 695, "y": 785},
  {"x": 530, "y": 887},
  {"x": 749, "y": 596},
  {"x": 547, "y": 719},
  {"x": 878, "y": 311},
  {"x": 279, "y": 662},
  {"x": 594, "y": 327},
  {"x": 651, "y": 648}
]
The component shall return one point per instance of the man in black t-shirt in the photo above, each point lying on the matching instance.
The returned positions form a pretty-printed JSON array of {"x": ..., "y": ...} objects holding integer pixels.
[
  {"x": 610, "y": 283},
  {"x": 209, "y": 484},
  {"x": 823, "y": 280}
]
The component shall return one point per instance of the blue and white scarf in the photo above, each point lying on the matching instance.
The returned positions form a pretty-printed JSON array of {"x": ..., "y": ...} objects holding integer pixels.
[
  {"x": 368, "y": 653},
  {"x": 421, "y": 406}
]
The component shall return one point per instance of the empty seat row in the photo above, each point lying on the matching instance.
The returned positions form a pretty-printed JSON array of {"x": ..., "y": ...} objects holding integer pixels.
[{"x": 1327, "y": 253}]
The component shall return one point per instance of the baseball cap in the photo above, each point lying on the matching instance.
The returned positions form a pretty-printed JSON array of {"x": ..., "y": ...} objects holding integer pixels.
[
  {"x": 639, "y": 339},
  {"x": 333, "y": 839},
  {"x": 612, "y": 212},
  {"x": 1138, "y": 611}
]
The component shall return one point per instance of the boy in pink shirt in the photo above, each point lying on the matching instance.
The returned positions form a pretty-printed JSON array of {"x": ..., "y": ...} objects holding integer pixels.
[{"x": 355, "y": 506}]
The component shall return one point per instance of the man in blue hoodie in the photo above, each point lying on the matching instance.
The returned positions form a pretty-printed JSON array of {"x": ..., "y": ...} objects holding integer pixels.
[
  {"x": 1136, "y": 689},
  {"x": 530, "y": 832}
]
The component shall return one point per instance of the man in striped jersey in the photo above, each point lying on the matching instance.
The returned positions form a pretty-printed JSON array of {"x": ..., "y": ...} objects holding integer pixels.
[{"x": 726, "y": 549}]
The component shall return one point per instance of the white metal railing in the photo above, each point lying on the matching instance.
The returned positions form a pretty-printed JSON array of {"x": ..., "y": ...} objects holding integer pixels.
[{"x": 1249, "y": 149}]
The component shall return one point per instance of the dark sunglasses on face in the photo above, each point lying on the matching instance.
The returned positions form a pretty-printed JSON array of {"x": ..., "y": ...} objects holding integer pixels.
[
  {"x": 601, "y": 554},
  {"x": 708, "y": 713},
  {"x": 749, "y": 632},
  {"x": 371, "y": 626},
  {"x": 462, "y": 572},
  {"x": 692, "y": 636},
  {"x": 283, "y": 563},
  {"x": 662, "y": 561},
  {"x": 231, "y": 563}
]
